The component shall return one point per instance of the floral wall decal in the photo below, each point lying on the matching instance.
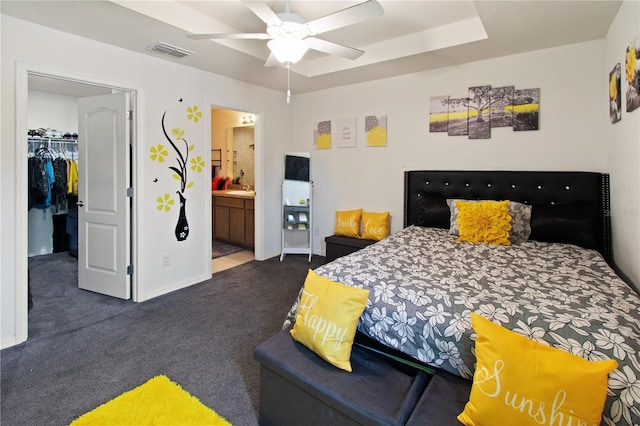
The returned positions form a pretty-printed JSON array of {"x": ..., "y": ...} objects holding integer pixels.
[
  {"x": 194, "y": 114},
  {"x": 182, "y": 149},
  {"x": 164, "y": 203},
  {"x": 158, "y": 153}
]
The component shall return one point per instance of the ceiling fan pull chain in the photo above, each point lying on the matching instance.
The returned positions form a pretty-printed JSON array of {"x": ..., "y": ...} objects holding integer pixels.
[{"x": 288, "y": 83}]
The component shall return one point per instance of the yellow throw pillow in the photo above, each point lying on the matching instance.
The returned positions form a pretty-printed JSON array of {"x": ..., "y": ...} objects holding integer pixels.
[
  {"x": 484, "y": 222},
  {"x": 348, "y": 223},
  {"x": 327, "y": 318},
  {"x": 375, "y": 226},
  {"x": 521, "y": 382}
]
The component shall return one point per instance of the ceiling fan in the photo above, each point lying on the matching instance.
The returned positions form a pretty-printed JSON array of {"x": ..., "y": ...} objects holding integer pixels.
[{"x": 290, "y": 36}]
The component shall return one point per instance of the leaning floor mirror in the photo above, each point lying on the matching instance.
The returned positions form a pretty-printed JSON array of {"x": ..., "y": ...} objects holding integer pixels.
[{"x": 297, "y": 191}]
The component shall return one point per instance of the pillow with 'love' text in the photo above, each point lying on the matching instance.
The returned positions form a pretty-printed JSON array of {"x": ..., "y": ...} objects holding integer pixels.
[{"x": 375, "y": 226}]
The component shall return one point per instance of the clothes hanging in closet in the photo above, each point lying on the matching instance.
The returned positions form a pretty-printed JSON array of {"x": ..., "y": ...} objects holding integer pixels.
[
  {"x": 72, "y": 187},
  {"x": 52, "y": 175},
  {"x": 60, "y": 185},
  {"x": 41, "y": 168}
]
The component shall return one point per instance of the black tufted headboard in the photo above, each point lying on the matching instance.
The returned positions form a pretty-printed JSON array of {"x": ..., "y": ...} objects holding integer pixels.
[{"x": 570, "y": 207}]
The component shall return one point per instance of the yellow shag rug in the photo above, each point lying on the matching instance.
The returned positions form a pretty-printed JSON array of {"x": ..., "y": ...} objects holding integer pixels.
[{"x": 156, "y": 402}]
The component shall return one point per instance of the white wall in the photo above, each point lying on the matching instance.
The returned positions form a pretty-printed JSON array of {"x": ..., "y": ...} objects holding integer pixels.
[
  {"x": 622, "y": 144},
  {"x": 50, "y": 110},
  {"x": 570, "y": 136},
  {"x": 160, "y": 84}
]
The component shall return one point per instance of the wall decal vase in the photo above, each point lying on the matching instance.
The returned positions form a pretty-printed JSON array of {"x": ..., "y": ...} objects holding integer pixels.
[
  {"x": 180, "y": 171},
  {"x": 182, "y": 227}
]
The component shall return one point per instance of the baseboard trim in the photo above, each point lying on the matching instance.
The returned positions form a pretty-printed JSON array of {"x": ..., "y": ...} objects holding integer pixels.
[{"x": 171, "y": 288}]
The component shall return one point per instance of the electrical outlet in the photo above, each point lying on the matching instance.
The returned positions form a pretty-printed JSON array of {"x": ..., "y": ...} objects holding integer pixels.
[{"x": 166, "y": 260}]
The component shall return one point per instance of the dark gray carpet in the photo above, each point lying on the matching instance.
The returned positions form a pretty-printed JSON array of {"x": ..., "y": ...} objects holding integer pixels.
[{"x": 86, "y": 349}]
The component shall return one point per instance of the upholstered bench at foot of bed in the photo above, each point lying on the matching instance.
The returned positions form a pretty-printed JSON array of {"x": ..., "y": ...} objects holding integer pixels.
[
  {"x": 338, "y": 246},
  {"x": 298, "y": 387},
  {"x": 442, "y": 401}
]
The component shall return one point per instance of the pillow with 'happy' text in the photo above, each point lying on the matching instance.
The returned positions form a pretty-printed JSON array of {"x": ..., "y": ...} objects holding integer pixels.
[{"x": 327, "y": 318}]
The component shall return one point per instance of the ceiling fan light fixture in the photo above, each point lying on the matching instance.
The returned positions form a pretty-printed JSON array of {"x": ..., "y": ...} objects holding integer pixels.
[{"x": 288, "y": 50}]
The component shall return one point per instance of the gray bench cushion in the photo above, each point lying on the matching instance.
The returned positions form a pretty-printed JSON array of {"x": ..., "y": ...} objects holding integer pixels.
[{"x": 441, "y": 403}]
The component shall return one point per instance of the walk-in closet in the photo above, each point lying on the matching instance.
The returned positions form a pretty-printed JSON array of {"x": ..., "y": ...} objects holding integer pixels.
[{"x": 52, "y": 159}]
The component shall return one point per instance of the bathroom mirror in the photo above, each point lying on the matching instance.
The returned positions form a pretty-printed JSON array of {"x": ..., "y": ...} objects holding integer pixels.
[
  {"x": 296, "y": 204},
  {"x": 243, "y": 149}
]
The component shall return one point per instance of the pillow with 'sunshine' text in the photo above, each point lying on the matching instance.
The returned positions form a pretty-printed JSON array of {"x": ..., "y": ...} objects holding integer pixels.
[{"x": 519, "y": 381}]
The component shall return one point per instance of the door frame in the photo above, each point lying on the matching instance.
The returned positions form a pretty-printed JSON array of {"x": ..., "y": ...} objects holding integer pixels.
[{"x": 21, "y": 179}]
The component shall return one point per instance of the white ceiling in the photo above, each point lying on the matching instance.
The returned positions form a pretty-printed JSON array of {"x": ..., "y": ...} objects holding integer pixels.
[{"x": 411, "y": 36}]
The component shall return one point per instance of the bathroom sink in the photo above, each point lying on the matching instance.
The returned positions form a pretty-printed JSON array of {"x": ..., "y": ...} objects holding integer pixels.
[{"x": 241, "y": 192}]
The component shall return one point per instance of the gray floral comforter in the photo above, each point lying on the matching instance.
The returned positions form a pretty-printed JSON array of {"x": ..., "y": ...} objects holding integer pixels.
[{"x": 424, "y": 285}]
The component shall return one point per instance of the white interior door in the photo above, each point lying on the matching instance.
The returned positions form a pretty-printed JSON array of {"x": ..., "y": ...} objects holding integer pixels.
[{"x": 103, "y": 205}]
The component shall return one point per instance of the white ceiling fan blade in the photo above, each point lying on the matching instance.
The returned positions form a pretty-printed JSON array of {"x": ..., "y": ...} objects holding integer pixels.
[
  {"x": 250, "y": 36},
  {"x": 333, "y": 48},
  {"x": 264, "y": 12},
  {"x": 349, "y": 16}
]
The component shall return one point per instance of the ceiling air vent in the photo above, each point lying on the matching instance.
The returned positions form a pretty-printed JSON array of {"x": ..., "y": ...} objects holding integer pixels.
[{"x": 167, "y": 49}]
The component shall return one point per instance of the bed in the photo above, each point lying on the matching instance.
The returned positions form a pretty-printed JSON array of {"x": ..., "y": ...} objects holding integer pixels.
[{"x": 557, "y": 287}]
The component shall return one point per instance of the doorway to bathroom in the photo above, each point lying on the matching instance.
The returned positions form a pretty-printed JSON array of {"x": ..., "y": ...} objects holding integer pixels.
[{"x": 233, "y": 182}]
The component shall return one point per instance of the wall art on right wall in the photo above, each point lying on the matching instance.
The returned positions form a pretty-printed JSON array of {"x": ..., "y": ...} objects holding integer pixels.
[
  {"x": 615, "y": 100},
  {"x": 632, "y": 68}
]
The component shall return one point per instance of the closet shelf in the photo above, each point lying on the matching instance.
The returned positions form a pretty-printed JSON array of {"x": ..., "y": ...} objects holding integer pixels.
[{"x": 57, "y": 140}]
